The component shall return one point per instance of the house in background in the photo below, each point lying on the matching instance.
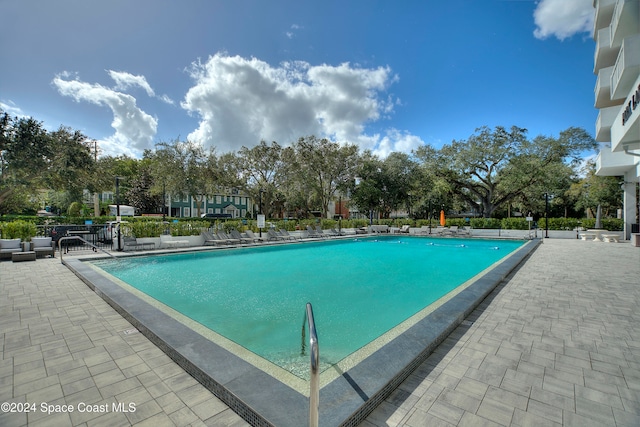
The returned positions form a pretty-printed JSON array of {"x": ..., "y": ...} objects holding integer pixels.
[{"x": 617, "y": 96}]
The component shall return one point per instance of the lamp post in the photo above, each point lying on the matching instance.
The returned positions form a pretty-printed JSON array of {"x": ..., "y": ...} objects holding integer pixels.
[
  {"x": 260, "y": 211},
  {"x": 340, "y": 215},
  {"x": 119, "y": 248},
  {"x": 546, "y": 215}
]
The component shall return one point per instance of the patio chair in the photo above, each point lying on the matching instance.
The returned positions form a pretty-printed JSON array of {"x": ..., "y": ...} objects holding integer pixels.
[
  {"x": 324, "y": 233},
  {"x": 272, "y": 235},
  {"x": 236, "y": 235},
  {"x": 224, "y": 236},
  {"x": 211, "y": 239},
  {"x": 255, "y": 238},
  {"x": 8, "y": 246},
  {"x": 285, "y": 234},
  {"x": 43, "y": 246},
  {"x": 314, "y": 234},
  {"x": 464, "y": 231}
]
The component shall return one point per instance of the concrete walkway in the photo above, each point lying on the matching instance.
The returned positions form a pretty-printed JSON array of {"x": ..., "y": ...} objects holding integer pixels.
[{"x": 557, "y": 344}]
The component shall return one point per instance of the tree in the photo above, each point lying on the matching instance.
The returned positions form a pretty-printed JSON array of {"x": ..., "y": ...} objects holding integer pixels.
[
  {"x": 493, "y": 168},
  {"x": 593, "y": 190},
  {"x": 32, "y": 159},
  {"x": 139, "y": 194},
  {"x": 186, "y": 169},
  {"x": 261, "y": 173},
  {"x": 324, "y": 167}
]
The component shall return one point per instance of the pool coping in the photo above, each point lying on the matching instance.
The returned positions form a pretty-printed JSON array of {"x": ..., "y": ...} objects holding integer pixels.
[{"x": 261, "y": 399}]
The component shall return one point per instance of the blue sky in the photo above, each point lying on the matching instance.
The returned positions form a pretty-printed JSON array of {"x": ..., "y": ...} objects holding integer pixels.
[{"x": 388, "y": 76}]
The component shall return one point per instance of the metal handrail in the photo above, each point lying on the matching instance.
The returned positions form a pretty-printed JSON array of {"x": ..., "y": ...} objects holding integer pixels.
[
  {"x": 79, "y": 238},
  {"x": 314, "y": 392}
]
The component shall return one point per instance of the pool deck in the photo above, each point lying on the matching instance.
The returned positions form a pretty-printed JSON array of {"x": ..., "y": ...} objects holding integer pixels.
[{"x": 558, "y": 343}]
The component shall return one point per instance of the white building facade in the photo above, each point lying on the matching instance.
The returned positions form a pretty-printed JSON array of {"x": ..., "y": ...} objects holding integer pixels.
[{"x": 617, "y": 97}]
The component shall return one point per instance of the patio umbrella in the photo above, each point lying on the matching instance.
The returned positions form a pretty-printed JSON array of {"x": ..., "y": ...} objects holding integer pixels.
[
  {"x": 442, "y": 220},
  {"x": 599, "y": 217}
]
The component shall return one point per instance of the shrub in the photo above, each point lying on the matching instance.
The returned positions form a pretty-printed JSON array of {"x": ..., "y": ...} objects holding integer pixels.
[
  {"x": 514, "y": 224},
  {"x": 146, "y": 228},
  {"x": 485, "y": 223},
  {"x": 24, "y": 230}
]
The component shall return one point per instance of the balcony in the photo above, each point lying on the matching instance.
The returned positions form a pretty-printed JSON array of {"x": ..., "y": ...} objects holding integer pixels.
[
  {"x": 604, "y": 12},
  {"x": 624, "y": 21},
  {"x": 626, "y": 68},
  {"x": 602, "y": 90},
  {"x": 609, "y": 163},
  {"x": 605, "y": 120},
  {"x": 605, "y": 55},
  {"x": 625, "y": 131}
]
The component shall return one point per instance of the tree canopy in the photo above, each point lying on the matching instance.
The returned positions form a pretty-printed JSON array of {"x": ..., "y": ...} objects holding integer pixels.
[{"x": 490, "y": 173}]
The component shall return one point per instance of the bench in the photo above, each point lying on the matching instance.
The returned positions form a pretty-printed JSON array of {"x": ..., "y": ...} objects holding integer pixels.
[
  {"x": 613, "y": 238},
  {"x": 586, "y": 236}
]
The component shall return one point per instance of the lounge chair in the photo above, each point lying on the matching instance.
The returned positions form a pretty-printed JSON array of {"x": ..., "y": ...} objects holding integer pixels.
[
  {"x": 439, "y": 230},
  {"x": 336, "y": 233},
  {"x": 321, "y": 232},
  {"x": 9, "y": 246},
  {"x": 43, "y": 246},
  {"x": 464, "y": 231},
  {"x": 453, "y": 230},
  {"x": 211, "y": 239},
  {"x": 404, "y": 229},
  {"x": 255, "y": 238},
  {"x": 236, "y": 235},
  {"x": 224, "y": 236},
  {"x": 272, "y": 235},
  {"x": 314, "y": 234},
  {"x": 285, "y": 234}
]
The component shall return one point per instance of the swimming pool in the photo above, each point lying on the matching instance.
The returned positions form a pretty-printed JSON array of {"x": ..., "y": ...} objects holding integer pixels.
[
  {"x": 358, "y": 382},
  {"x": 360, "y": 289}
]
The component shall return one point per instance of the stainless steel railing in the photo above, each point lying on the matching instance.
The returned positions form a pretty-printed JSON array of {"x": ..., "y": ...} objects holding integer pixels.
[
  {"x": 314, "y": 351},
  {"x": 94, "y": 247}
]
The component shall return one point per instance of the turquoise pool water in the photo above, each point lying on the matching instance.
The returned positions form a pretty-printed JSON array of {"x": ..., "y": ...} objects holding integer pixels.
[{"x": 359, "y": 288}]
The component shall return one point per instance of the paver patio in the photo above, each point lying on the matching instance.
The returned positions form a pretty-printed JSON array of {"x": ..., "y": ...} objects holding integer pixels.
[{"x": 557, "y": 344}]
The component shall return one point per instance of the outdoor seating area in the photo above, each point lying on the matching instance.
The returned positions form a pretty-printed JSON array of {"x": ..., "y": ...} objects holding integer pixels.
[{"x": 16, "y": 250}]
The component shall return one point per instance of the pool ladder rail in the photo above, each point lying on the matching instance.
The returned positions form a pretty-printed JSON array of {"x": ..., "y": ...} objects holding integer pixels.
[
  {"x": 94, "y": 247},
  {"x": 314, "y": 352}
]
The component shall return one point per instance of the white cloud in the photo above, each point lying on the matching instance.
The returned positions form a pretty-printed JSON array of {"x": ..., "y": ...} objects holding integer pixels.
[
  {"x": 125, "y": 80},
  {"x": 242, "y": 101},
  {"x": 12, "y": 109},
  {"x": 563, "y": 18},
  {"x": 134, "y": 129}
]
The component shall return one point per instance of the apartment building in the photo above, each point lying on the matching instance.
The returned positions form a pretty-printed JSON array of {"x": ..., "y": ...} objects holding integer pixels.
[{"x": 617, "y": 97}]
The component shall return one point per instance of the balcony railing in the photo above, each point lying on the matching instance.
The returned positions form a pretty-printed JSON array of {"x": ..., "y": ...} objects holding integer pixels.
[{"x": 624, "y": 70}]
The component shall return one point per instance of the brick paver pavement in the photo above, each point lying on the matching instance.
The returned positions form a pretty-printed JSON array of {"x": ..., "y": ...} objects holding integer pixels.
[{"x": 556, "y": 344}]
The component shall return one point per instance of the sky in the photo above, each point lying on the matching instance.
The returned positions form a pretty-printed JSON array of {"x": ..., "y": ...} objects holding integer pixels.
[{"x": 385, "y": 75}]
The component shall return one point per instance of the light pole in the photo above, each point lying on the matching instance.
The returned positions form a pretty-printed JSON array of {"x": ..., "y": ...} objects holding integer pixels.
[
  {"x": 119, "y": 248},
  {"x": 260, "y": 211},
  {"x": 340, "y": 215},
  {"x": 546, "y": 215}
]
